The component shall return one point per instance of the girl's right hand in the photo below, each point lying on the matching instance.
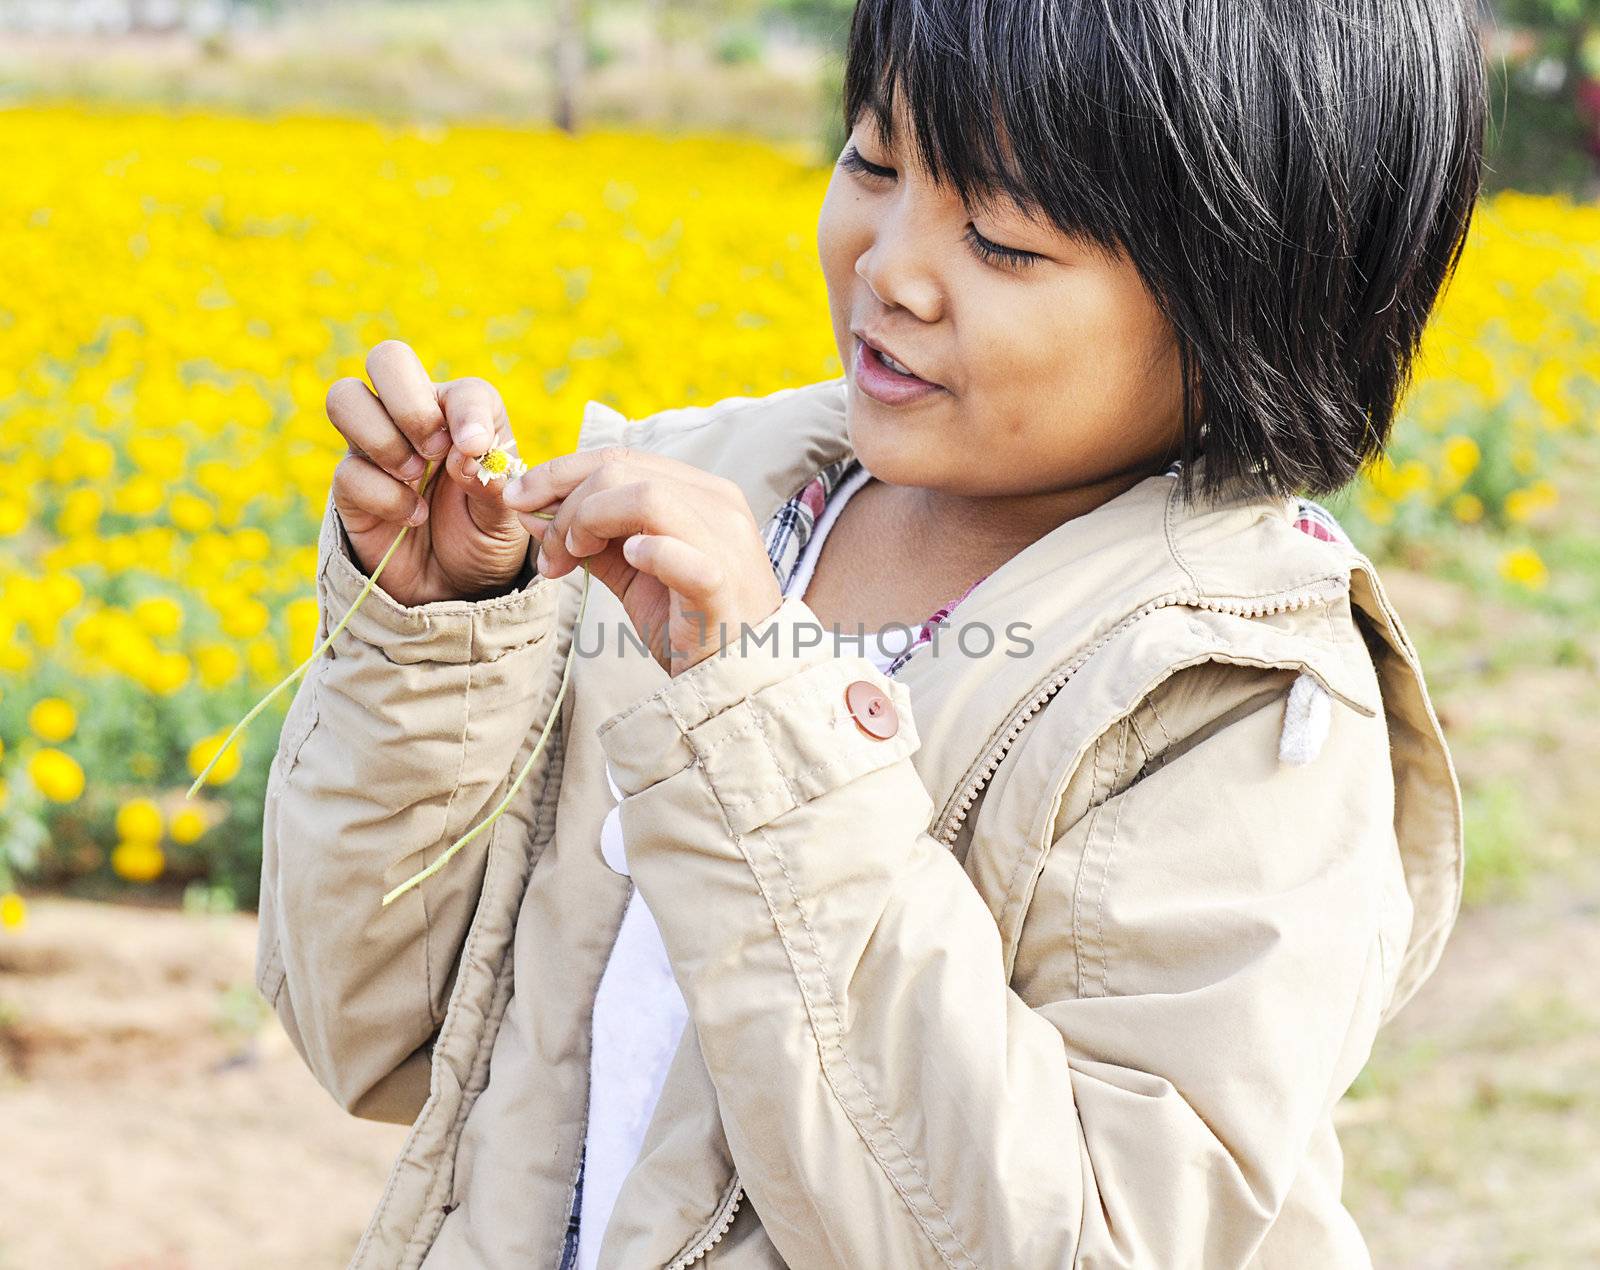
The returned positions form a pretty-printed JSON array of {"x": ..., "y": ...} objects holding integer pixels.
[{"x": 464, "y": 543}]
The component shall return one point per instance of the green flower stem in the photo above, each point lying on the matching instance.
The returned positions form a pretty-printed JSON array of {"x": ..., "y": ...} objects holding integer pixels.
[
  {"x": 315, "y": 653},
  {"x": 333, "y": 634},
  {"x": 566, "y": 673}
]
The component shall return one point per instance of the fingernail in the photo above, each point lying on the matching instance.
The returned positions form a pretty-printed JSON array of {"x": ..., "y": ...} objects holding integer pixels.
[
  {"x": 572, "y": 547},
  {"x": 541, "y": 564},
  {"x": 436, "y": 445},
  {"x": 413, "y": 467},
  {"x": 475, "y": 435},
  {"x": 418, "y": 514}
]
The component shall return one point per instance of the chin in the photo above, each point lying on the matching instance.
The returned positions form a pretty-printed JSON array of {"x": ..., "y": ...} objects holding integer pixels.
[{"x": 890, "y": 453}]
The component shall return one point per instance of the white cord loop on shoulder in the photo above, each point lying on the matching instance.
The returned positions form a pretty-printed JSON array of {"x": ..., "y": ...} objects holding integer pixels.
[{"x": 1305, "y": 721}]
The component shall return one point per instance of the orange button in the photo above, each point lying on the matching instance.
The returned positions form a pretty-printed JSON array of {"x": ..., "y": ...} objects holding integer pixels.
[{"x": 872, "y": 710}]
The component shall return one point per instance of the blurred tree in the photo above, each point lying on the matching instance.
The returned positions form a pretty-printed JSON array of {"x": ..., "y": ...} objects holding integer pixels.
[
  {"x": 1563, "y": 34},
  {"x": 570, "y": 51},
  {"x": 829, "y": 22},
  {"x": 829, "y": 19},
  {"x": 1564, "y": 24}
]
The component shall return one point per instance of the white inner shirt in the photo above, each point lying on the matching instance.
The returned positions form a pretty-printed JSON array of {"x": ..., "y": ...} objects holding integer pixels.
[{"x": 639, "y": 1012}]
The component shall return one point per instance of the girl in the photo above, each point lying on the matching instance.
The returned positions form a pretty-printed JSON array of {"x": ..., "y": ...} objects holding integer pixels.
[{"x": 1045, "y": 930}]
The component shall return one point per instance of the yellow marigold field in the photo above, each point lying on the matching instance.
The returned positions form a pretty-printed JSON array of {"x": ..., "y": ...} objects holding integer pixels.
[{"x": 182, "y": 289}]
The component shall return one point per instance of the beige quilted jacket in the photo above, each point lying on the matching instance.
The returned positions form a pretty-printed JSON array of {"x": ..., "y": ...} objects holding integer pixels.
[{"x": 1070, "y": 970}]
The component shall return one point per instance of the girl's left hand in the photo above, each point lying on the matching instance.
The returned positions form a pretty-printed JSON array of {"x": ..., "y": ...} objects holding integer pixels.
[{"x": 678, "y": 546}]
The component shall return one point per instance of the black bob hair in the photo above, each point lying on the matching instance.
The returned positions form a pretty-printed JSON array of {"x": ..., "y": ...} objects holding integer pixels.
[{"x": 1293, "y": 181}]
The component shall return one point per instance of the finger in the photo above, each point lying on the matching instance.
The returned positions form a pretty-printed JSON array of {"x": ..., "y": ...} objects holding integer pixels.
[
  {"x": 408, "y": 394},
  {"x": 677, "y": 565},
  {"x": 368, "y": 430},
  {"x": 598, "y": 513},
  {"x": 475, "y": 414},
  {"x": 557, "y": 477},
  {"x": 650, "y": 506},
  {"x": 537, "y": 523},
  {"x": 366, "y": 496}
]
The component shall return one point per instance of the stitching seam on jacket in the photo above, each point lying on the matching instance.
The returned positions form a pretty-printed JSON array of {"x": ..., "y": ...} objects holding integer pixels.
[
  {"x": 1150, "y": 700},
  {"x": 842, "y": 761},
  {"x": 1105, "y": 883},
  {"x": 1080, "y": 952},
  {"x": 693, "y": 685},
  {"x": 1172, "y": 542},
  {"x": 836, "y": 1041},
  {"x": 764, "y": 729},
  {"x": 444, "y": 833}
]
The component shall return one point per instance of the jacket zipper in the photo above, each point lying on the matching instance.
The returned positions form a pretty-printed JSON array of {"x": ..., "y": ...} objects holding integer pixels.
[
  {"x": 720, "y": 1221},
  {"x": 965, "y": 797}
]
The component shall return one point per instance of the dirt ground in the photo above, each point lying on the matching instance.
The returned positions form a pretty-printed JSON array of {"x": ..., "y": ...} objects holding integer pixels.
[{"x": 154, "y": 1116}]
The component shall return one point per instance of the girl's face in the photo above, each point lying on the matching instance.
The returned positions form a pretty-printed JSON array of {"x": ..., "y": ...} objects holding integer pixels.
[{"x": 1053, "y": 368}]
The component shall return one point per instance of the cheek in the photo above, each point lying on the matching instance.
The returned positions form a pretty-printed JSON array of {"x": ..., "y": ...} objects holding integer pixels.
[
  {"x": 834, "y": 230},
  {"x": 1080, "y": 335},
  {"x": 1085, "y": 349}
]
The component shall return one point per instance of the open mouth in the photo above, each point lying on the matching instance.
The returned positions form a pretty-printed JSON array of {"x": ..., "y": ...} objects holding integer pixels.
[
  {"x": 882, "y": 377},
  {"x": 894, "y": 367}
]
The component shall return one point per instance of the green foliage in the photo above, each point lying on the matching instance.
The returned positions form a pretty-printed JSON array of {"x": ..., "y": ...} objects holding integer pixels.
[
  {"x": 1497, "y": 819},
  {"x": 738, "y": 46}
]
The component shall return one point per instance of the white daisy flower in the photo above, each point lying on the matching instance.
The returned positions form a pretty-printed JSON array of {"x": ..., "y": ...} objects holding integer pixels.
[{"x": 500, "y": 462}]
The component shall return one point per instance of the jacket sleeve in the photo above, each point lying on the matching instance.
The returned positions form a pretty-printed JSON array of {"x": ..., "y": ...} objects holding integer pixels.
[
  {"x": 1203, "y": 972},
  {"x": 403, "y": 735}
]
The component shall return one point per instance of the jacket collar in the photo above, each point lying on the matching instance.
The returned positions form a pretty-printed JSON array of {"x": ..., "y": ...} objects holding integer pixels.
[{"x": 1074, "y": 589}]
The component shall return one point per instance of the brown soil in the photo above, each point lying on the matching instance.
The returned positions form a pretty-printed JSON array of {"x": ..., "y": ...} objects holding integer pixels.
[{"x": 155, "y": 1116}]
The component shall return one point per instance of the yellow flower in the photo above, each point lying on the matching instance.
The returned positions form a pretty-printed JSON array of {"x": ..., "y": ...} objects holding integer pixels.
[
  {"x": 187, "y": 826},
  {"x": 227, "y": 766},
  {"x": 139, "y": 820},
  {"x": 137, "y": 861},
  {"x": 53, "y": 719},
  {"x": 158, "y": 615},
  {"x": 245, "y": 618},
  {"x": 263, "y": 657},
  {"x": 303, "y": 620},
  {"x": 1468, "y": 508},
  {"x": 189, "y": 512},
  {"x": 165, "y": 673},
  {"x": 218, "y": 664},
  {"x": 1542, "y": 493},
  {"x": 56, "y": 775},
  {"x": 1524, "y": 567},
  {"x": 1379, "y": 510},
  {"x": 13, "y": 911},
  {"x": 1461, "y": 456}
]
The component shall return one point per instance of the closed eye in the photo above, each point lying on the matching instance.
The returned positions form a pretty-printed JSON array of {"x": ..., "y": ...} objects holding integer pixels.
[
  {"x": 994, "y": 253},
  {"x": 990, "y": 252},
  {"x": 851, "y": 161}
]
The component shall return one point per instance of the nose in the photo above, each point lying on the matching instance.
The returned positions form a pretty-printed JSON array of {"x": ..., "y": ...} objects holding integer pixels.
[{"x": 899, "y": 265}]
